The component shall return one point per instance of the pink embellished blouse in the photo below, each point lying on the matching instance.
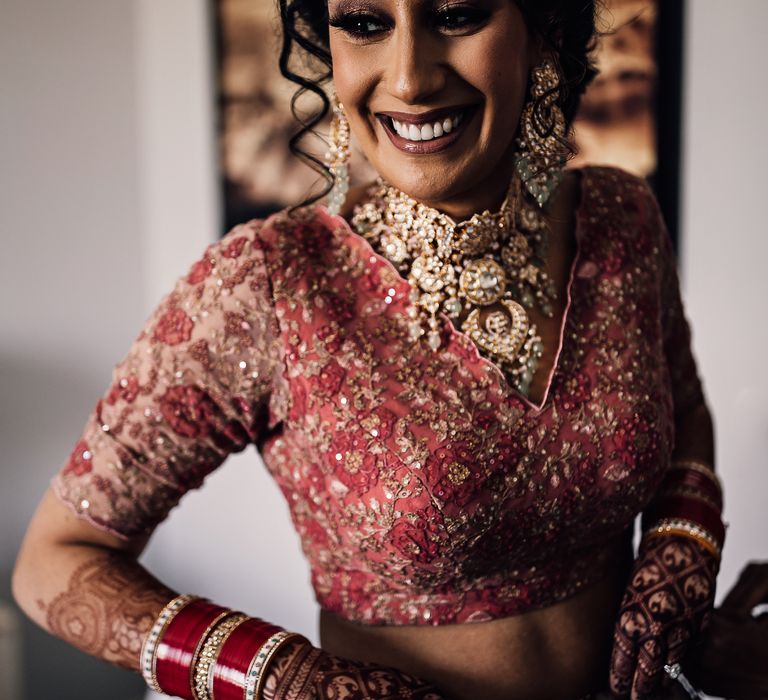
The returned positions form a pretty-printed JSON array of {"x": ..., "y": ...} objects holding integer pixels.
[{"x": 425, "y": 490}]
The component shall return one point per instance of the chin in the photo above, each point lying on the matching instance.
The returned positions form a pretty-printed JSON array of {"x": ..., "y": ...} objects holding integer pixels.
[{"x": 430, "y": 182}]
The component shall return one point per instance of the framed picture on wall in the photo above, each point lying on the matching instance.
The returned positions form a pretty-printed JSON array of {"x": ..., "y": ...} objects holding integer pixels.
[
  {"x": 631, "y": 114},
  {"x": 629, "y": 117}
]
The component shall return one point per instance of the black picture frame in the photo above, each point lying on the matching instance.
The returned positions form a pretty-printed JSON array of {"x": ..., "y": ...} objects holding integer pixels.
[{"x": 670, "y": 52}]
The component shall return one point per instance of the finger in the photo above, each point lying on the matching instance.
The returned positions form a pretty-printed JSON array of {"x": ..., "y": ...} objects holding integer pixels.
[
  {"x": 631, "y": 627},
  {"x": 678, "y": 642},
  {"x": 622, "y": 667},
  {"x": 649, "y": 670},
  {"x": 677, "y": 648}
]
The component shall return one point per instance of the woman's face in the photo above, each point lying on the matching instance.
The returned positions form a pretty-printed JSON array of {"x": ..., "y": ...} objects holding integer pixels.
[{"x": 433, "y": 90}]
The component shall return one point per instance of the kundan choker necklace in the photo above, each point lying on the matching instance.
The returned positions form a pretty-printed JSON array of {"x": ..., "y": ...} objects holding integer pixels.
[{"x": 492, "y": 262}]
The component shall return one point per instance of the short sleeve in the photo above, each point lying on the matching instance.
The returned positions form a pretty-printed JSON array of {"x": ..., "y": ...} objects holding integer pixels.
[
  {"x": 687, "y": 388},
  {"x": 192, "y": 389}
]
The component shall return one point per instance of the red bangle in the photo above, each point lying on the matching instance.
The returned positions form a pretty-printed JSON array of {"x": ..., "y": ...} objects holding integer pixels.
[
  {"x": 180, "y": 643},
  {"x": 694, "y": 477},
  {"x": 694, "y": 480},
  {"x": 688, "y": 492},
  {"x": 236, "y": 655},
  {"x": 704, "y": 468},
  {"x": 689, "y": 509}
]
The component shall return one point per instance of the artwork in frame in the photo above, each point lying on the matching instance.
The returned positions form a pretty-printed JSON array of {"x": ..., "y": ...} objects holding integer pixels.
[{"x": 630, "y": 115}]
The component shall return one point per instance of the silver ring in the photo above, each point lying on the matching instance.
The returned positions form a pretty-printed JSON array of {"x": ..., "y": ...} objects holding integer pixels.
[{"x": 673, "y": 670}]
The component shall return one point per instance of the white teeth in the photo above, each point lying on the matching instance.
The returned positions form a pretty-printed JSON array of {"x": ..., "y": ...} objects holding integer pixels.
[
  {"x": 426, "y": 132},
  {"x": 414, "y": 133}
]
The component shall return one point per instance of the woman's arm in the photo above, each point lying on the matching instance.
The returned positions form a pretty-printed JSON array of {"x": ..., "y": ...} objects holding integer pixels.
[
  {"x": 694, "y": 431},
  {"x": 178, "y": 404},
  {"x": 193, "y": 388},
  {"x": 695, "y": 435},
  {"x": 670, "y": 594},
  {"x": 85, "y": 586}
]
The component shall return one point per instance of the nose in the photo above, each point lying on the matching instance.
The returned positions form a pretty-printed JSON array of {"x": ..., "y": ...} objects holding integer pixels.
[{"x": 414, "y": 68}]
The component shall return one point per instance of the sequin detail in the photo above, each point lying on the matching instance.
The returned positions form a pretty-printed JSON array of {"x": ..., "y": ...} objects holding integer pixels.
[{"x": 425, "y": 490}]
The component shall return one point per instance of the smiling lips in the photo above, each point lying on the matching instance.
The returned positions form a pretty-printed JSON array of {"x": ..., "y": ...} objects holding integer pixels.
[{"x": 424, "y": 133}]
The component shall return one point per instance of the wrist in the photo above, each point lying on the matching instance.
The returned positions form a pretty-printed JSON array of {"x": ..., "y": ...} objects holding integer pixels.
[
  {"x": 291, "y": 676},
  {"x": 688, "y": 504},
  {"x": 197, "y": 650}
]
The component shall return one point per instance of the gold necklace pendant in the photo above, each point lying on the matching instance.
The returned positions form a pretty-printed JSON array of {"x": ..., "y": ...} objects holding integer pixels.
[
  {"x": 491, "y": 258},
  {"x": 502, "y": 334},
  {"x": 483, "y": 281}
]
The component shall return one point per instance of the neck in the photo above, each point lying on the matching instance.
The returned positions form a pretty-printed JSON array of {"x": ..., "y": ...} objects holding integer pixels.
[{"x": 486, "y": 195}]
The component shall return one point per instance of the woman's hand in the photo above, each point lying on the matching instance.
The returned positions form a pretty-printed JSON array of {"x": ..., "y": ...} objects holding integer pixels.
[
  {"x": 302, "y": 672},
  {"x": 667, "y": 604},
  {"x": 336, "y": 677}
]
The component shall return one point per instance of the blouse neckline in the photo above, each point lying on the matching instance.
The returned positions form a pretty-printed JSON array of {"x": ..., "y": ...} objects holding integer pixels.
[{"x": 456, "y": 333}]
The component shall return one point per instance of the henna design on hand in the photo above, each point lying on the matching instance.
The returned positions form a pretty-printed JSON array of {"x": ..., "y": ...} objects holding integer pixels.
[
  {"x": 667, "y": 604},
  {"x": 109, "y": 606},
  {"x": 311, "y": 674},
  {"x": 287, "y": 664},
  {"x": 338, "y": 678},
  {"x": 297, "y": 684}
]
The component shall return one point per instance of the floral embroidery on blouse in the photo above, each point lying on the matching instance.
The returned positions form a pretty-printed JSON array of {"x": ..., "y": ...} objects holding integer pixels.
[{"x": 424, "y": 489}]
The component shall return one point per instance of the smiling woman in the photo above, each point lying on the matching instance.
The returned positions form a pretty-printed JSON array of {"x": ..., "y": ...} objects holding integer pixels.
[
  {"x": 465, "y": 63},
  {"x": 468, "y": 377}
]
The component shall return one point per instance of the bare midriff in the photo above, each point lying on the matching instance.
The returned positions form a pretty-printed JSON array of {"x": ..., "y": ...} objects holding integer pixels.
[{"x": 560, "y": 652}]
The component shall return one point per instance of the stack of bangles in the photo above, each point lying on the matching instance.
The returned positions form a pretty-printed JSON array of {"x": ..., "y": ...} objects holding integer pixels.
[
  {"x": 201, "y": 651},
  {"x": 689, "y": 504}
]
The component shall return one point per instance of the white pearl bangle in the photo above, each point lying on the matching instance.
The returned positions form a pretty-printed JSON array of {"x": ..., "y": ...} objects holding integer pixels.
[{"x": 255, "y": 676}]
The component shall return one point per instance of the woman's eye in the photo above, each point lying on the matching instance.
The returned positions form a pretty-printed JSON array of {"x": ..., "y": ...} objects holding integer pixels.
[
  {"x": 453, "y": 18},
  {"x": 458, "y": 18},
  {"x": 359, "y": 26}
]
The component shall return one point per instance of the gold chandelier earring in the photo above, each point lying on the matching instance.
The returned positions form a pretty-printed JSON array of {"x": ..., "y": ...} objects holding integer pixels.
[
  {"x": 337, "y": 157},
  {"x": 542, "y": 152}
]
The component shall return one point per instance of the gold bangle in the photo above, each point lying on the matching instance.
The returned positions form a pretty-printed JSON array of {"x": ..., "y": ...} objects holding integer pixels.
[
  {"x": 701, "y": 467},
  {"x": 201, "y": 643},
  {"x": 685, "y": 528},
  {"x": 707, "y": 544},
  {"x": 206, "y": 661}
]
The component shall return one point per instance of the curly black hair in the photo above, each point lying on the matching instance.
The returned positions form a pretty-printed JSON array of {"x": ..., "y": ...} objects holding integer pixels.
[{"x": 567, "y": 28}]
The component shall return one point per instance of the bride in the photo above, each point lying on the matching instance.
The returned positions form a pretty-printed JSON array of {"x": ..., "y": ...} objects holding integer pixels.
[{"x": 468, "y": 378}]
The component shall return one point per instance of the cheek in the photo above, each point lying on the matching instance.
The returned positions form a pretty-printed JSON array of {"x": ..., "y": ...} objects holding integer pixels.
[
  {"x": 498, "y": 69},
  {"x": 508, "y": 72},
  {"x": 351, "y": 75}
]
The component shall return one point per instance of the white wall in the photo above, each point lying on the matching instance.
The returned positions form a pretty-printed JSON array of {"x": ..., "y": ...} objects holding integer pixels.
[
  {"x": 108, "y": 192},
  {"x": 69, "y": 203},
  {"x": 725, "y": 252}
]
